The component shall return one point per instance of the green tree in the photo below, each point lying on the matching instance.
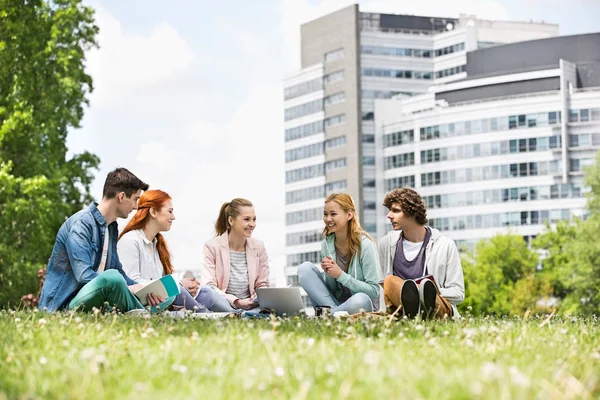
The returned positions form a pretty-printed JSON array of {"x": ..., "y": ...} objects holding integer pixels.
[
  {"x": 43, "y": 89},
  {"x": 555, "y": 266},
  {"x": 499, "y": 277}
]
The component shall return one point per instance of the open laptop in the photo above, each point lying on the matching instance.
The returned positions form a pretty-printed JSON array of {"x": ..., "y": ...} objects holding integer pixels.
[{"x": 281, "y": 301}]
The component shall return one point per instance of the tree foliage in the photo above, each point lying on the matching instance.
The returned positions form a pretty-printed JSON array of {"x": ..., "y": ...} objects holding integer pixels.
[
  {"x": 501, "y": 277},
  {"x": 43, "y": 91}
]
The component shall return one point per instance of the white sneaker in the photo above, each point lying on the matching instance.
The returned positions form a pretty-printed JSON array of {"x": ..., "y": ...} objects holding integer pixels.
[{"x": 139, "y": 312}]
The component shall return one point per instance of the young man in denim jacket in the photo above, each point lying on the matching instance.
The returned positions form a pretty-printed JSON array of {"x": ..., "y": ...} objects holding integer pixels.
[
  {"x": 413, "y": 250},
  {"x": 84, "y": 269}
]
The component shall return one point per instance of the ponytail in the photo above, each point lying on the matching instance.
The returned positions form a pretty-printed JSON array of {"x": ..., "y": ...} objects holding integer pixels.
[
  {"x": 222, "y": 224},
  {"x": 229, "y": 209}
]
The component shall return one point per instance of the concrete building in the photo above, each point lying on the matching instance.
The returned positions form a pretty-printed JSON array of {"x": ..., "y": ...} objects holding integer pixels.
[
  {"x": 349, "y": 59},
  {"x": 503, "y": 148}
]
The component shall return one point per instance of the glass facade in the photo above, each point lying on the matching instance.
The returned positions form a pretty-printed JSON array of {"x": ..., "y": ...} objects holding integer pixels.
[
  {"x": 490, "y": 149},
  {"x": 485, "y": 125},
  {"x": 303, "y": 88},
  {"x": 293, "y": 239},
  {"x": 311, "y": 150},
  {"x": 303, "y": 109},
  {"x": 499, "y": 220},
  {"x": 301, "y": 174},
  {"x": 504, "y": 171},
  {"x": 299, "y": 132},
  {"x": 503, "y": 195},
  {"x": 298, "y": 217}
]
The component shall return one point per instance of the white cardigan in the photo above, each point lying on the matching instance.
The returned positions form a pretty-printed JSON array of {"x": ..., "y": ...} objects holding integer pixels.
[{"x": 441, "y": 260}]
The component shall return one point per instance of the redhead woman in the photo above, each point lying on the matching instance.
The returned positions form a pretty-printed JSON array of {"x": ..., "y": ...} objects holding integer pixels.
[
  {"x": 235, "y": 264},
  {"x": 350, "y": 278},
  {"x": 145, "y": 255}
]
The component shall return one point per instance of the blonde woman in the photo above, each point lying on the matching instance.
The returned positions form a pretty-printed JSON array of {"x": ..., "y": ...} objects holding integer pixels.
[
  {"x": 235, "y": 264},
  {"x": 350, "y": 281}
]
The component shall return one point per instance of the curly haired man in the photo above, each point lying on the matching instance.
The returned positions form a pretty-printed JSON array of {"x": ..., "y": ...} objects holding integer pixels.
[{"x": 422, "y": 268}]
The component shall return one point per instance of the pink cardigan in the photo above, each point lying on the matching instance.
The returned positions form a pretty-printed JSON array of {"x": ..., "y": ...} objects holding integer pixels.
[{"x": 216, "y": 265}]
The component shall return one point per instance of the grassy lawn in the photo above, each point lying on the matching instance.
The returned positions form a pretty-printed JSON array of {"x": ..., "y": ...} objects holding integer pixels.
[{"x": 79, "y": 356}]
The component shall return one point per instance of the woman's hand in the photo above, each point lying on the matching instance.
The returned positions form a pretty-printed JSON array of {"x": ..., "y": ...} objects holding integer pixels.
[
  {"x": 331, "y": 268},
  {"x": 153, "y": 300},
  {"x": 245, "y": 304},
  {"x": 191, "y": 285}
]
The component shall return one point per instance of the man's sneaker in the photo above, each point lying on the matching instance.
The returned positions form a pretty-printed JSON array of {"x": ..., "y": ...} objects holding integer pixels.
[
  {"x": 428, "y": 294},
  {"x": 409, "y": 299}
]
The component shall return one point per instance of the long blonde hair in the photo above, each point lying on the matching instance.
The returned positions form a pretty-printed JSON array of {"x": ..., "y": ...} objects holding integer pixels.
[{"x": 354, "y": 230}]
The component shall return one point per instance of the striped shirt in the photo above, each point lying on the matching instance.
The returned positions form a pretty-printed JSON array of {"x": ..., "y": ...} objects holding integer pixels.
[{"x": 238, "y": 278}]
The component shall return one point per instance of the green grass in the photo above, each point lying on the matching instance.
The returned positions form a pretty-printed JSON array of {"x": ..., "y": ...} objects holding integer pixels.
[{"x": 86, "y": 356}]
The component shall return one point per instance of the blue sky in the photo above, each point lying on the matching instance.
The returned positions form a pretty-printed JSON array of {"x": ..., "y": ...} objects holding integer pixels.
[{"x": 189, "y": 97}]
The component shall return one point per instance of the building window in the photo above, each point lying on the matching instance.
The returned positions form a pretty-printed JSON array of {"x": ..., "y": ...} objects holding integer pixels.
[
  {"x": 334, "y": 55},
  {"x": 368, "y": 138},
  {"x": 334, "y": 99},
  {"x": 334, "y": 77},
  {"x": 335, "y": 164},
  {"x": 399, "y": 161},
  {"x": 335, "y": 142},
  {"x": 303, "y": 131},
  {"x": 369, "y": 183},
  {"x": 304, "y": 173},
  {"x": 368, "y": 116},
  {"x": 335, "y": 120},
  {"x": 366, "y": 160},
  {"x": 335, "y": 186},
  {"x": 293, "y": 239},
  {"x": 312, "y": 150},
  {"x": 303, "y": 88},
  {"x": 398, "y": 182},
  {"x": 299, "y": 217},
  {"x": 303, "y": 109},
  {"x": 311, "y": 193},
  {"x": 399, "y": 138},
  {"x": 297, "y": 259}
]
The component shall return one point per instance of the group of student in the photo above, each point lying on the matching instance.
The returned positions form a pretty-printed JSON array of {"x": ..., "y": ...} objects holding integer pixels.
[{"x": 93, "y": 266}]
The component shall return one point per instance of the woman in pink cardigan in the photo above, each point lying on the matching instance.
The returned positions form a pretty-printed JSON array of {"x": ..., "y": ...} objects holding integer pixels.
[{"x": 235, "y": 264}]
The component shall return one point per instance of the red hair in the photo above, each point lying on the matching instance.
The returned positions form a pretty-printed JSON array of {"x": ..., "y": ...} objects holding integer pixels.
[{"x": 154, "y": 199}]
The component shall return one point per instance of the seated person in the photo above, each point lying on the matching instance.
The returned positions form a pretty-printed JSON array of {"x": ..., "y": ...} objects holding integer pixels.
[
  {"x": 351, "y": 274},
  {"x": 235, "y": 264},
  {"x": 84, "y": 270},
  {"x": 144, "y": 253},
  {"x": 412, "y": 250}
]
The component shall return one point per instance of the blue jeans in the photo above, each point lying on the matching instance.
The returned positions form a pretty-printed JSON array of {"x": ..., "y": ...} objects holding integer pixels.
[
  {"x": 311, "y": 280},
  {"x": 221, "y": 304},
  {"x": 202, "y": 303}
]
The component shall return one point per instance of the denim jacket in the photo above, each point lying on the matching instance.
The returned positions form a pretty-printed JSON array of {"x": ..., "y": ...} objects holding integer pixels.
[{"x": 76, "y": 257}]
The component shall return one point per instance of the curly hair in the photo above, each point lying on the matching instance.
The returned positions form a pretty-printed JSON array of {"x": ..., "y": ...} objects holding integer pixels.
[{"x": 411, "y": 203}]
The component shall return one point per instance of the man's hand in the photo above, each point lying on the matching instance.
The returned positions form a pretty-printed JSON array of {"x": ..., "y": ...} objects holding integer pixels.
[
  {"x": 191, "y": 285},
  {"x": 245, "y": 304}
]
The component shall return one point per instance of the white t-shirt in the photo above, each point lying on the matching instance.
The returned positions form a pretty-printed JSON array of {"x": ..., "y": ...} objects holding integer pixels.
[{"x": 411, "y": 250}]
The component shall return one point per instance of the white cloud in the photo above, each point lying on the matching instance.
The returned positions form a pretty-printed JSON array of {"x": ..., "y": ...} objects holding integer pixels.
[
  {"x": 128, "y": 62},
  {"x": 149, "y": 111}
]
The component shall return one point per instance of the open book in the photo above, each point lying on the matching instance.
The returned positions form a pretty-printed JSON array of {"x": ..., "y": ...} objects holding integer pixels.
[{"x": 164, "y": 287}]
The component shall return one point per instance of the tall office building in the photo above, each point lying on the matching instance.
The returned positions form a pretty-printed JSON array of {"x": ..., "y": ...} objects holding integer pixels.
[
  {"x": 349, "y": 59},
  {"x": 503, "y": 148}
]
